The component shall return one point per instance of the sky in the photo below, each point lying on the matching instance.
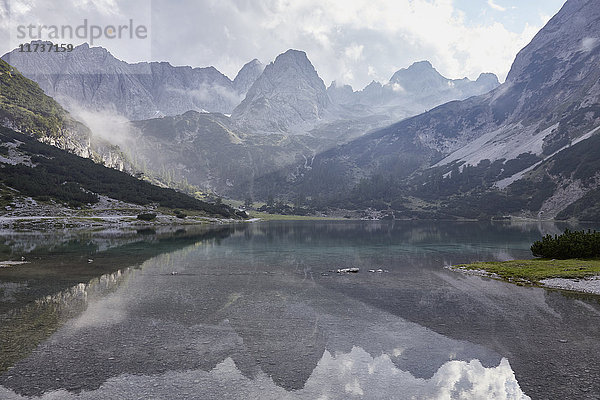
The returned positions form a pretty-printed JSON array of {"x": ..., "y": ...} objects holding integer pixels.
[{"x": 350, "y": 41}]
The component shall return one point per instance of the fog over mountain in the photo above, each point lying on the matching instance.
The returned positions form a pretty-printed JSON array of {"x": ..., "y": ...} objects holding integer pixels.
[
  {"x": 288, "y": 96},
  {"x": 291, "y": 136},
  {"x": 412, "y": 90},
  {"x": 513, "y": 137},
  {"x": 92, "y": 78}
]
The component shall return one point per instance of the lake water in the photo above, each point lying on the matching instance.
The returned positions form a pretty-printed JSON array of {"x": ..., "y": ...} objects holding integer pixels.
[{"x": 253, "y": 311}]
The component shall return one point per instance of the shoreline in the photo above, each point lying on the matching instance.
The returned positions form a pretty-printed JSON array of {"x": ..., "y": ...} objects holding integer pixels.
[
  {"x": 44, "y": 222},
  {"x": 585, "y": 284}
]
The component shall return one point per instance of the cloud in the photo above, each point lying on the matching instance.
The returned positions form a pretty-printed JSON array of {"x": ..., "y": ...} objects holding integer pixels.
[
  {"x": 588, "y": 44},
  {"x": 354, "y": 52},
  {"x": 339, "y": 375},
  {"x": 343, "y": 38},
  {"x": 353, "y": 41},
  {"x": 495, "y": 6}
]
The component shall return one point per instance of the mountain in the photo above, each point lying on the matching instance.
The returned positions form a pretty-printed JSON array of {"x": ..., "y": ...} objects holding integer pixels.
[
  {"x": 288, "y": 101},
  {"x": 429, "y": 86},
  {"x": 26, "y": 108},
  {"x": 247, "y": 76},
  {"x": 503, "y": 143},
  {"x": 55, "y": 157},
  {"x": 287, "y": 96},
  {"x": 412, "y": 90},
  {"x": 209, "y": 151},
  {"x": 93, "y": 79},
  {"x": 46, "y": 173},
  {"x": 340, "y": 94}
]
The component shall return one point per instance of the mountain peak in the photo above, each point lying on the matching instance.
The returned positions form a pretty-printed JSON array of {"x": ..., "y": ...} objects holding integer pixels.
[
  {"x": 420, "y": 71},
  {"x": 488, "y": 77},
  {"x": 246, "y": 77},
  {"x": 421, "y": 65},
  {"x": 566, "y": 34},
  {"x": 293, "y": 55},
  {"x": 337, "y": 85},
  {"x": 93, "y": 79},
  {"x": 268, "y": 105}
]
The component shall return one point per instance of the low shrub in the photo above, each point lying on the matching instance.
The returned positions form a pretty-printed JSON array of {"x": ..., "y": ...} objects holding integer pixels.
[
  {"x": 571, "y": 244},
  {"x": 147, "y": 216}
]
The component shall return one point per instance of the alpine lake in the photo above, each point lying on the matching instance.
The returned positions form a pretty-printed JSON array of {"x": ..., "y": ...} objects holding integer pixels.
[{"x": 259, "y": 311}]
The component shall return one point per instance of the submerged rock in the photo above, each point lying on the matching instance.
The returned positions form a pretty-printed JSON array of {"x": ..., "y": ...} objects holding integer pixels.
[{"x": 347, "y": 270}]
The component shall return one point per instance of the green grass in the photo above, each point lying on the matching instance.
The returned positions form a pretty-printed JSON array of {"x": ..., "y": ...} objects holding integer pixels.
[
  {"x": 26, "y": 105},
  {"x": 278, "y": 217},
  {"x": 532, "y": 271}
]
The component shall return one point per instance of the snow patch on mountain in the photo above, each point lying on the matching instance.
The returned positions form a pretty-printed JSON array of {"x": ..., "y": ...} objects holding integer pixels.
[{"x": 501, "y": 143}]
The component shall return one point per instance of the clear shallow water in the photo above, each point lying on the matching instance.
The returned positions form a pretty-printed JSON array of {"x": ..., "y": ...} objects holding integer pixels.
[{"x": 253, "y": 311}]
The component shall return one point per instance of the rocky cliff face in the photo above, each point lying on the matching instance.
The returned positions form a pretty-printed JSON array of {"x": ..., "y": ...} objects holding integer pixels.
[
  {"x": 92, "y": 78},
  {"x": 287, "y": 96},
  {"x": 208, "y": 151},
  {"x": 551, "y": 100},
  {"x": 413, "y": 90},
  {"x": 247, "y": 76},
  {"x": 25, "y": 108},
  {"x": 552, "y": 93}
]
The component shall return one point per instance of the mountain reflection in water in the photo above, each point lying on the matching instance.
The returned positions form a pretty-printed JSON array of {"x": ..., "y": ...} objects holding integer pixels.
[{"x": 258, "y": 315}]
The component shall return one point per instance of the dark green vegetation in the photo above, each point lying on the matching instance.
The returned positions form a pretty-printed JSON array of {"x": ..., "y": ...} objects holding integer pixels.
[
  {"x": 571, "y": 244},
  {"x": 78, "y": 181},
  {"x": 27, "y": 106},
  {"x": 449, "y": 191},
  {"x": 532, "y": 271},
  {"x": 216, "y": 154},
  {"x": 146, "y": 216},
  {"x": 463, "y": 191},
  {"x": 580, "y": 161},
  {"x": 543, "y": 93},
  {"x": 573, "y": 254}
]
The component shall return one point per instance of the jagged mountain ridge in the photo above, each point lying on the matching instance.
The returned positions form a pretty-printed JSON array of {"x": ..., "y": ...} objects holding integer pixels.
[
  {"x": 551, "y": 98},
  {"x": 92, "y": 78},
  {"x": 288, "y": 95},
  {"x": 246, "y": 77},
  {"x": 412, "y": 90}
]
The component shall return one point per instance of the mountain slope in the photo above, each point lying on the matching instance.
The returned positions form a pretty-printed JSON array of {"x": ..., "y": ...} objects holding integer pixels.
[
  {"x": 209, "y": 151},
  {"x": 42, "y": 171},
  {"x": 26, "y": 108},
  {"x": 551, "y": 98},
  {"x": 92, "y": 78},
  {"x": 412, "y": 90},
  {"x": 288, "y": 95},
  {"x": 246, "y": 77}
]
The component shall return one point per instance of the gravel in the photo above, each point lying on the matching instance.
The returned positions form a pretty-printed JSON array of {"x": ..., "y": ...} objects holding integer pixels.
[{"x": 587, "y": 285}]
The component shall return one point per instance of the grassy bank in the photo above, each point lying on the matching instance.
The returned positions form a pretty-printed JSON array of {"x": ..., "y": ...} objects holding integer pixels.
[
  {"x": 279, "y": 217},
  {"x": 532, "y": 271}
]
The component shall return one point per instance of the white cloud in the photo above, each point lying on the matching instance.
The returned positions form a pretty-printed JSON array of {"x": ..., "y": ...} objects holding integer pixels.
[
  {"x": 342, "y": 39},
  {"x": 339, "y": 375},
  {"x": 354, "y": 52},
  {"x": 495, "y": 6},
  {"x": 396, "y": 87},
  {"x": 588, "y": 44}
]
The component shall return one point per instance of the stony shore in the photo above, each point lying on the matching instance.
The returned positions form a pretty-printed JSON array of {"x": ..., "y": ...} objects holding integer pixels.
[
  {"x": 29, "y": 214},
  {"x": 590, "y": 284}
]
